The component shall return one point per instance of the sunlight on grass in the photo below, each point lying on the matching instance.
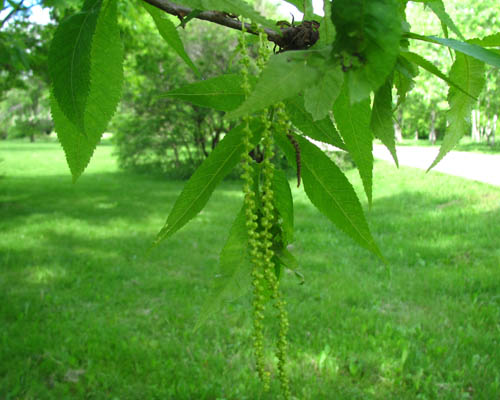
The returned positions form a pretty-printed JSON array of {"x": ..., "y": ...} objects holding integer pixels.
[{"x": 87, "y": 312}]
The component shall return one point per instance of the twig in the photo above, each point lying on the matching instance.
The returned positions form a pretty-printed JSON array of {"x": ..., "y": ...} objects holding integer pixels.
[{"x": 285, "y": 37}]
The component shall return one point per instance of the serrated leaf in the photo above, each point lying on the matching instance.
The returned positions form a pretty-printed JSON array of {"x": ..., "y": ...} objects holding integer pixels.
[
  {"x": 487, "y": 41},
  {"x": 78, "y": 148},
  {"x": 169, "y": 33},
  {"x": 367, "y": 42},
  {"x": 234, "y": 277},
  {"x": 430, "y": 67},
  {"x": 330, "y": 192},
  {"x": 104, "y": 81},
  {"x": 285, "y": 75},
  {"x": 353, "y": 123},
  {"x": 205, "y": 179},
  {"x": 319, "y": 98},
  {"x": 470, "y": 72},
  {"x": 404, "y": 72},
  {"x": 222, "y": 93},
  {"x": 381, "y": 119},
  {"x": 470, "y": 49},
  {"x": 284, "y": 203},
  {"x": 323, "y": 130},
  {"x": 237, "y": 7},
  {"x": 106, "y": 71},
  {"x": 69, "y": 61},
  {"x": 437, "y": 8}
]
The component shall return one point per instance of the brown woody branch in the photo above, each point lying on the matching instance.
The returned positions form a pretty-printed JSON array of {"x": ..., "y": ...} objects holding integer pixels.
[{"x": 286, "y": 38}]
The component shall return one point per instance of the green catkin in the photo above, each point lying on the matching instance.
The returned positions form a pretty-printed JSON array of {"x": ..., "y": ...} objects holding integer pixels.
[
  {"x": 252, "y": 225},
  {"x": 259, "y": 231}
]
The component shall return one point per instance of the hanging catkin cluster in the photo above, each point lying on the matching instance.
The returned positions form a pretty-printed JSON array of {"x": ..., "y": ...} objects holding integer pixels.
[{"x": 260, "y": 219}]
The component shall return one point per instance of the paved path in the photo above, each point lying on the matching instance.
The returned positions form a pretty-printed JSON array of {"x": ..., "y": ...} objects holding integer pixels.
[{"x": 474, "y": 166}]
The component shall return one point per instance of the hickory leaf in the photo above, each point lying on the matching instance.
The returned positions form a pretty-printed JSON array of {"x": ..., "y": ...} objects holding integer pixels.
[
  {"x": 285, "y": 75},
  {"x": 222, "y": 93},
  {"x": 330, "y": 192},
  {"x": 319, "y": 98},
  {"x": 381, "y": 118},
  {"x": 234, "y": 277},
  {"x": 326, "y": 28},
  {"x": 470, "y": 72},
  {"x": 69, "y": 61},
  {"x": 103, "y": 92},
  {"x": 323, "y": 130},
  {"x": 353, "y": 122},
  {"x": 78, "y": 148},
  {"x": 487, "y": 41},
  {"x": 169, "y": 33},
  {"x": 205, "y": 179},
  {"x": 470, "y": 49}
]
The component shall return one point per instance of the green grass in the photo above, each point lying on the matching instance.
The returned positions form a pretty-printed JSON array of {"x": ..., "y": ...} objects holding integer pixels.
[
  {"x": 85, "y": 313},
  {"x": 465, "y": 144}
]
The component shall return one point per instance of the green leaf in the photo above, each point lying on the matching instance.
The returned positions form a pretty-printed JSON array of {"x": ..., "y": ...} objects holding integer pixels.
[
  {"x": 487, "y": 41},
  {"x": 69, "y": 61},
  {"x": 78, "y": 148},
  {"x": 205, "y": 179},
  {"x": 404, "y": 72},
  {"x": 353, "y": 122},
  {"x": 238, "y": 7},
  {"x": 106, "y": 71},
  {"x": 330, "y": 191},
  {"x": 381, "y": 119},
  {"x": 437, "y": 8},
  {"x": 285, "y": 75},
  {"x": 284, "y": 203},
  {"x": 319, "y": 98},
  {"x": 470, "y": 49},
  {"x": 326, "y": 28},
  {"x": 103, "y": 78},
  {"x": 169, "y": 33},
  {"x": 222, "y": 93},
  {"x": 234, "y": 277},
  {"x": 427, "y": 65},
  {"x": 288, "y": 261},
  {"x": 367, "y": 42},
  {"x": 470, "y": 72},
  {"x": 323, "y": 130}
]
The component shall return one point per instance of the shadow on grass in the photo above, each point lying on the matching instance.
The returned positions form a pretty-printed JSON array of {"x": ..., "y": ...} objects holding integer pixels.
[{"x": 78, "y": 293}]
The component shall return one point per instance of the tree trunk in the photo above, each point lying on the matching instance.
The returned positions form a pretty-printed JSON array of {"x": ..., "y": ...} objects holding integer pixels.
[
  {"x": 432, "y": 134},
  {"x": 476, "y": 133},
  {"x": 398, "y": 133}
]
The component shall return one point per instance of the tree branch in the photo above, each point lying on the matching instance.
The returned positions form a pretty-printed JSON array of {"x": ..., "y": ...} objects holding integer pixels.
[
  {"x": 297, "y": 37},
  {"x": 12, "y": 12}
]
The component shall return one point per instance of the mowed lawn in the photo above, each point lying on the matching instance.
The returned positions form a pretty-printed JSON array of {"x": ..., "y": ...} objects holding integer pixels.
[{"x": 87, "y": 313}]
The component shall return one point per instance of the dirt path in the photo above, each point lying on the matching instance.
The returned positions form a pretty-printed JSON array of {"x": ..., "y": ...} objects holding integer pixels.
[{"x": 475, "y": 166}]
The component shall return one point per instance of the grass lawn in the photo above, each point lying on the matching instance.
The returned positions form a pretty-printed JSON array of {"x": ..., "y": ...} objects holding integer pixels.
[{"x": 85, "y": 313}]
